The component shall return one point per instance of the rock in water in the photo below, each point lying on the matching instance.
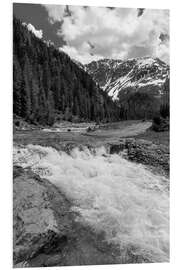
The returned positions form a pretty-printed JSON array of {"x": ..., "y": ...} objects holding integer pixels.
[{"x": 40, "y": 214}]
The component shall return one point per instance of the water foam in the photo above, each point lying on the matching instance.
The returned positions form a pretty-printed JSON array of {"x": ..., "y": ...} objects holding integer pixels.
[{"x": 123, "y": 199}]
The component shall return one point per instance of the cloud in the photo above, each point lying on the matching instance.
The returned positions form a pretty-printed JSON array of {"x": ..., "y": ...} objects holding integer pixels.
[
  {"x": 56, "y": 12},
  {"x": 113, "y": 33},
  {"x": 82, "y": 56},
  {"x": 37, "y": 33},
  {"x": 162, "y": 51}
]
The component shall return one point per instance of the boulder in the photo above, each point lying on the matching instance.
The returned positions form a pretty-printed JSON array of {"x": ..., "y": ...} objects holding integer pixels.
[{"x": 40, "y": 216}]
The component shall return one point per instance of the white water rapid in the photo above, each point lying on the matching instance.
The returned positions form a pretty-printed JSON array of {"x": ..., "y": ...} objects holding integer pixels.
[{"x": 123, "y": 199}]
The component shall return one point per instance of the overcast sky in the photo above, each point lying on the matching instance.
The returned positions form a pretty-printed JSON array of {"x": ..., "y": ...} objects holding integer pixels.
[{"x": 91, "y": 33}]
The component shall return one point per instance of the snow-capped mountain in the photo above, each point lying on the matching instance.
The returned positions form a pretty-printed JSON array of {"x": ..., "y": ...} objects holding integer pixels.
[{"x": 119, "y": 77}]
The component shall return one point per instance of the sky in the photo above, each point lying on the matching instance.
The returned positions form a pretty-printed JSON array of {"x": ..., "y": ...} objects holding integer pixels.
[{"x": 91, "y": 33}]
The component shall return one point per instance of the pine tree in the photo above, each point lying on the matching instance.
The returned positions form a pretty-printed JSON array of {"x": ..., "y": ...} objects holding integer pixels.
[
  {"x": 34, "y": 101},
  {"x": 50, "y": 108},
  {"x": 42, "y": 108},
  {"x": 26, "y": 91},
  {"x": 17, "y": 86}
]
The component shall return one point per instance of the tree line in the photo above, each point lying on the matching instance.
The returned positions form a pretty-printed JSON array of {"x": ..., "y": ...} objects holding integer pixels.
[{"x": 143, "y": 105}]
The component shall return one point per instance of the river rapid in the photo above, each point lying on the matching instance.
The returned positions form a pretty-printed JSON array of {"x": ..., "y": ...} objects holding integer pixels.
[{"x": 122, "y": 199}]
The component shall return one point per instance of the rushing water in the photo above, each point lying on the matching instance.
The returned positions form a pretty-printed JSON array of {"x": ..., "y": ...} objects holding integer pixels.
[{"x": 123, "y": 199}]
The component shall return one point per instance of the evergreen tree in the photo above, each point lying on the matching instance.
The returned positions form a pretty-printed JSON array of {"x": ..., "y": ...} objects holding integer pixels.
[
  {"x": 17, "y": 86},
  {"x": 26, "y": 91}
]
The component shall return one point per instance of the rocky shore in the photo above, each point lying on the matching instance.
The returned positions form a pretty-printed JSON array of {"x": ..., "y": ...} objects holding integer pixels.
[{"x": 145, "y": 152}]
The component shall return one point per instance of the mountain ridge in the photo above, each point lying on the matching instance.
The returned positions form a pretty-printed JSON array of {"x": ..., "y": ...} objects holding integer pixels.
[
  {"x": 116, "y": 75},
  {"x": 140, "y": 85}
]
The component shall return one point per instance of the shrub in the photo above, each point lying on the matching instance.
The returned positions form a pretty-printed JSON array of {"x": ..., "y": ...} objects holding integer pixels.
[
  {"x": 160, "y": 124},
  {"x": 157, "y": 120},
  {"x": 164, "y": 110}
]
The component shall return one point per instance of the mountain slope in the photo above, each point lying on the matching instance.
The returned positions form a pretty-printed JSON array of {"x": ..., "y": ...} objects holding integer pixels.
[
  {"x": 47, "y": 83},
  {"x": 144, "y": 74},
  {"x": 140, "y": 86}
]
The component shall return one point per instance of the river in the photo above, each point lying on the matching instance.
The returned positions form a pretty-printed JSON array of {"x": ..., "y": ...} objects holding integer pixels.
[{"x": 122, "y": 199}]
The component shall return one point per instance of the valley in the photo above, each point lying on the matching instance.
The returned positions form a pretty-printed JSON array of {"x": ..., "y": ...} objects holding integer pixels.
[{"x": 90, "y": 157}]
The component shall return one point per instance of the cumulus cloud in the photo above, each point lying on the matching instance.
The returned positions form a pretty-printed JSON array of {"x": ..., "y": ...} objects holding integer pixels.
[
  {"x": 56, "y": 12},
  {"x": 82, "y": 56},
  {"x": 37, "y": 33},
  {"x": 97, "y": 32}
]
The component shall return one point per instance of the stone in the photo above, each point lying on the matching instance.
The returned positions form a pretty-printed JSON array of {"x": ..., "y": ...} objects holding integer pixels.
[{"x": 40, "y": 214}]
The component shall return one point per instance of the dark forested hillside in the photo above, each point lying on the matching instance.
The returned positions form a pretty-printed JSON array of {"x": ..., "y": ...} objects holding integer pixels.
[{"x": 47, "y": 83}]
